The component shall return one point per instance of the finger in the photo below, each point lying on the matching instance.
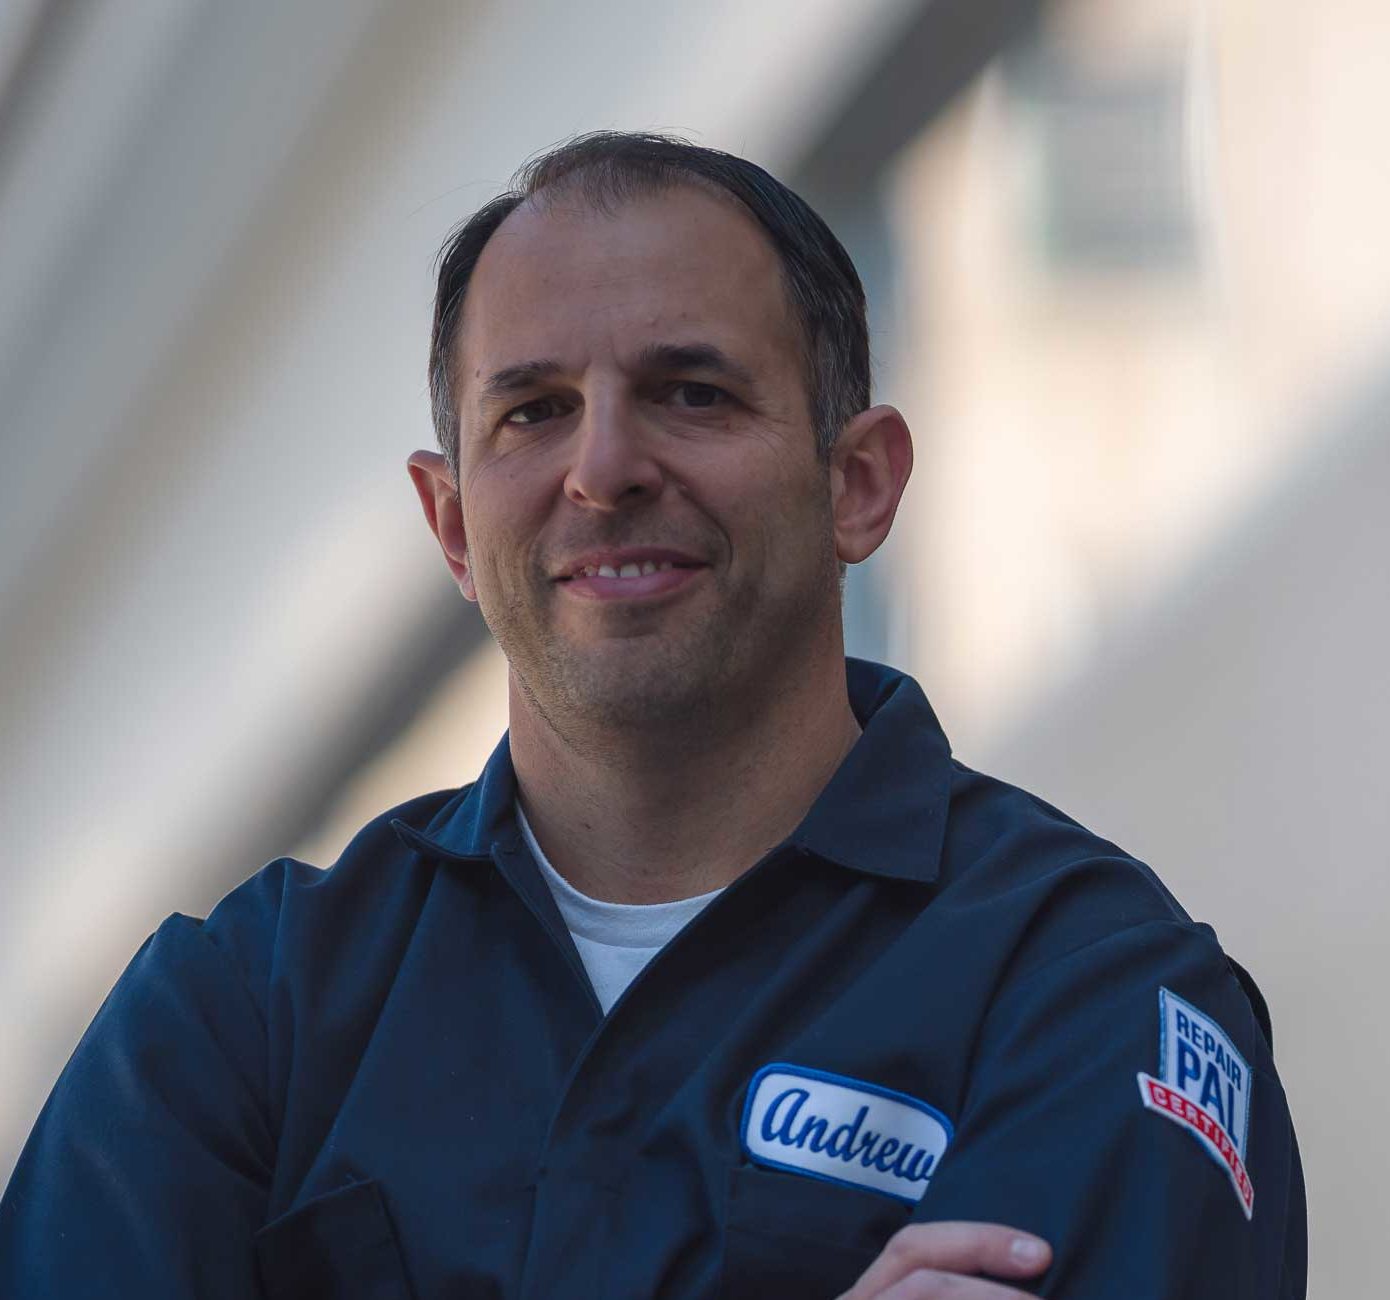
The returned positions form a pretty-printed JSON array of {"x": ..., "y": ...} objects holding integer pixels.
[
  {"x": 930, "y": 1284},
  {"x": 953, "y": 1248}
]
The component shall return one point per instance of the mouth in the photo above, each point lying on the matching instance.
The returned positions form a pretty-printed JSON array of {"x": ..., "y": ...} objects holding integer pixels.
[{"x": 629, "y": 574}]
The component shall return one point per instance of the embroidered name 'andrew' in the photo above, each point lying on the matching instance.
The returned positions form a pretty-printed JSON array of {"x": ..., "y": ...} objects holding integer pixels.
[{"x": 843, "y": 1130}]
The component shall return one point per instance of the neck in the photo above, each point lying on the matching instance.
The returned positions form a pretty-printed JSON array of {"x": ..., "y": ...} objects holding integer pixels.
[{"x": 648, "y": 819}]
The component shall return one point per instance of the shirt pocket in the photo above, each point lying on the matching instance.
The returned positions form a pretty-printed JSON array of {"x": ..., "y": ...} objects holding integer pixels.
[
  {"x": 339, "y": 1246},
  {"x": 787, "y": 1234}
]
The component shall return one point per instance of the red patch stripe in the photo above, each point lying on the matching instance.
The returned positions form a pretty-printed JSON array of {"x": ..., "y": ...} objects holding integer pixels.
[{"x": 1171, "y": 1104}]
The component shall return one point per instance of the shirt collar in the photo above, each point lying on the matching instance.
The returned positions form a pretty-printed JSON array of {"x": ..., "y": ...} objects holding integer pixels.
[
  {"x": 477, "y": 817},
  {"x": 883, "y": 812}
]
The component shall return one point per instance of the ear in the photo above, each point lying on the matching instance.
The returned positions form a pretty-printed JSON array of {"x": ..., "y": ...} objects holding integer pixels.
[
  {"x": 869, "y": 468},
  {"x": 439, "y": 499}
]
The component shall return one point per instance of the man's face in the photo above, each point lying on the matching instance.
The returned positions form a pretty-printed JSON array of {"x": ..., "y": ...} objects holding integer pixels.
[{"x": 632, "y": 402}]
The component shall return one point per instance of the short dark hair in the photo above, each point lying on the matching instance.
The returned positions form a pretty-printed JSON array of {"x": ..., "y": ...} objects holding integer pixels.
[{"x": 609, "y": 167}]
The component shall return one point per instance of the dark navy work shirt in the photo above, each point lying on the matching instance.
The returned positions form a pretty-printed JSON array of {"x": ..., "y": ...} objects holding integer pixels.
[{"x": 392, "y": 1079}]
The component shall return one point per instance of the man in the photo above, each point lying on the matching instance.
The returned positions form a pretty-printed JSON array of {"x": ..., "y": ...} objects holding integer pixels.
[{"x": 723, "y": 979}]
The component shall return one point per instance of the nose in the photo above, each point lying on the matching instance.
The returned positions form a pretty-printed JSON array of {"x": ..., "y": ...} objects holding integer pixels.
[{"x": 613, "y": 466}]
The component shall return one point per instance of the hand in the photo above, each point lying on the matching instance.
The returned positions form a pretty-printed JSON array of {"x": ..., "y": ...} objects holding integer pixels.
[{"x": 934, "y": 1261}]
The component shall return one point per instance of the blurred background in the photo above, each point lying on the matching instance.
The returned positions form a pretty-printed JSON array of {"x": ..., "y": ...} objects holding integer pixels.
[{"x": 1130, "y": 280}]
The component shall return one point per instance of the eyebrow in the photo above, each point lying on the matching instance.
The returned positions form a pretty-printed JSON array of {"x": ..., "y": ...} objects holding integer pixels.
[
  {"x": 514, "y": 379},
  {"x": 655, "y": 356},
  {"x": 693, "y": 356}
]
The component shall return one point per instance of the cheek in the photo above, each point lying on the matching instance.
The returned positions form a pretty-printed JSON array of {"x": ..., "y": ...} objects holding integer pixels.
[
  {"x": 508, "y": 569},
  {"x": 503, "y": 510},
  {"x": 778, "y": 525}
]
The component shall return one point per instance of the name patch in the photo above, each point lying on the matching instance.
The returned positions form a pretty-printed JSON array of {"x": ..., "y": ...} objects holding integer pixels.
[
  {"x": 843, "y": 1130},
  {"x": 1203, "y": 1084}
]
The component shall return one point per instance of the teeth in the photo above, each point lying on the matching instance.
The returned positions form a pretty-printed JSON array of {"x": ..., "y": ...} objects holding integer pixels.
[{"x": 631, "y": 570}]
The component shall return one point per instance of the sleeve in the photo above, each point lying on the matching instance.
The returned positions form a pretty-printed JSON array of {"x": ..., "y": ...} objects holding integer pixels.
[
  {"x": 147, "y": 1171},
  {"x": 1123, "y": 1104}
]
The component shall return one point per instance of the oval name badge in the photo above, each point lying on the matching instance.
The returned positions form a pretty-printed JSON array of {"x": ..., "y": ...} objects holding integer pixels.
[{"x": 843, "y": 1130}]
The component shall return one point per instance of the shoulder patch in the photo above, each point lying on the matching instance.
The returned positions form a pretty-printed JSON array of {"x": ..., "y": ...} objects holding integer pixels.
[
  {"x": 1203, "y": 1083},
  {"x": 843, "y": 1130}
]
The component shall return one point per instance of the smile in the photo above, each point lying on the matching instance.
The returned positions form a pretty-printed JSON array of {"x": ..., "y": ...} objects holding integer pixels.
[
  {"x": 625, "y": 571},
  {"x": 634, "y": 580}
]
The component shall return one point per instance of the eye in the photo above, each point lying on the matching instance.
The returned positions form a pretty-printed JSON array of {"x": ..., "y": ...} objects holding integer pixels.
[
  {"x": 532, "y": 412},
  {"x": 699, "y": 395}
]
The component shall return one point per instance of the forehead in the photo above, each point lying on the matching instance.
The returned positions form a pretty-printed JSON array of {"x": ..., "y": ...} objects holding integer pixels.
[{"x": 561, "y": 279}]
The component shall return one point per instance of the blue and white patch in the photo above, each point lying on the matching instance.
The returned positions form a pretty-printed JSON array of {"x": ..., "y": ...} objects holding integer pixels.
[
  {"x": 1203, "y": 1084},
  {"x": 843, "y": 1130}
]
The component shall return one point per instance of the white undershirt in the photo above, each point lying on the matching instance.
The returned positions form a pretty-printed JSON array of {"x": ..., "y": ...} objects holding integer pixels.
[{"x": 614, "y": 940}]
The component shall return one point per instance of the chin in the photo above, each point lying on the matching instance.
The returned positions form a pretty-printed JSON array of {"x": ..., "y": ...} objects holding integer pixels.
[
  {"x": 635, "y": 683},
  {"x": 692, "y": 674},
  {"x": 642, "y": 681}
]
